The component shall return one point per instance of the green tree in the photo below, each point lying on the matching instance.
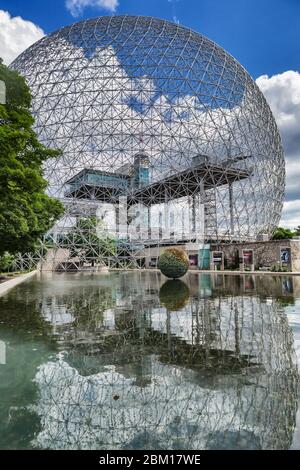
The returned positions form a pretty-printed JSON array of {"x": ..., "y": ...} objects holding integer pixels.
[
  {"x": 26, "y": 212},
  {"x": 89, "y": 240},
  {"x": 6, "y": 261},
  {"x": 282, "y": 233}
]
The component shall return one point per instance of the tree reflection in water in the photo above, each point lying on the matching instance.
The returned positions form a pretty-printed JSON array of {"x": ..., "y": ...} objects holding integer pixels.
[{"x": 216, "y": 371}]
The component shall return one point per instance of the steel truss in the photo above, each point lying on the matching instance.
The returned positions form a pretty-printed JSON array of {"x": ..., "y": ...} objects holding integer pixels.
[{"x": 109, "y": 89}]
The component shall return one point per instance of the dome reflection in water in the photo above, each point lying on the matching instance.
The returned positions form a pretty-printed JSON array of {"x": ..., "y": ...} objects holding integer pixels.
[{"x": 180, "y": 365}]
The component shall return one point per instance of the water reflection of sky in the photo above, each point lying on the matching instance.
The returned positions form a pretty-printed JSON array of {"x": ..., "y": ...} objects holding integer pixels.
[{"x": 293, "y": 314}]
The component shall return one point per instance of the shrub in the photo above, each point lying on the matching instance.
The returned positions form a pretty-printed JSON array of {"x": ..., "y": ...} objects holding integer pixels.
[
  {"x": 6, "y": 261},
  {"x": 282, "y": 233},
  {"x": 276, "y": 268},
  {"x": 173, "y": 263}
]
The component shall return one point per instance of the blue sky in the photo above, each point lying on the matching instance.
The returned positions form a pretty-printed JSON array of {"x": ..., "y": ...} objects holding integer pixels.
[{"x": 263, "y": 35}]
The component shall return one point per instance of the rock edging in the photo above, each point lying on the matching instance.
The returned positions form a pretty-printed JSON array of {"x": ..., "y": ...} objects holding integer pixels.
[{"x": 8, "y": 285}]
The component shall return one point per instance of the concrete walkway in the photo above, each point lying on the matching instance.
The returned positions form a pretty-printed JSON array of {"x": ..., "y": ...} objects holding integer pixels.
[{"x": 7, "y": 285}]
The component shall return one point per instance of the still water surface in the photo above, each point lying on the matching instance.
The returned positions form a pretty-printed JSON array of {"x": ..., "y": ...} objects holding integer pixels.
[{"x": 129, "y": 360}]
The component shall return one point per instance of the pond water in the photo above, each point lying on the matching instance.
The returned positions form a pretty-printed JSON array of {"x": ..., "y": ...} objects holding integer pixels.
[{"x": 128, "y": 360}]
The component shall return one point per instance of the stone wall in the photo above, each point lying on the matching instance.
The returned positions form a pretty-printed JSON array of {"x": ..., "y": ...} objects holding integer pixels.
[
  {"x": 266, "y": 254},
  {"x": 295, "y": 250}
]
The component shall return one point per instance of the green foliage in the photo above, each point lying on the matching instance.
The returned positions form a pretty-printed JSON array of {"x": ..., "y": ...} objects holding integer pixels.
[
  {"x": 88, "y": 239},
  {"x": 277, "y": 268},
  {"x": 282, "y": 233},
  {"x": 6, "y": 261},
  {"x": 26, "y": 212},
  {"x": 285, "y": 301},
  {"x": 173, "y": 263}
]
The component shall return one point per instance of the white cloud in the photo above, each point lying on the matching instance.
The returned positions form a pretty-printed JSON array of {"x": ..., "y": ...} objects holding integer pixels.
[
  {"x": 76, "y": 7},
  {"x": 16, "y": 34},
  {"x": 282, "y": 92},
  {"x": 290, "y": 216}
]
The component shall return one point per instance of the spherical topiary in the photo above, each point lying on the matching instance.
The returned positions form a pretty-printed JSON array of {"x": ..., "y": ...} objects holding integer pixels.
[
  {"x": 173, "y": 263},
  {"x": 174, "y": 295}
]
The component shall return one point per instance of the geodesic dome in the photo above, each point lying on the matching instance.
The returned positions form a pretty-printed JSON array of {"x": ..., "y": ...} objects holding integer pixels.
[{"x": 153, "y": 112}]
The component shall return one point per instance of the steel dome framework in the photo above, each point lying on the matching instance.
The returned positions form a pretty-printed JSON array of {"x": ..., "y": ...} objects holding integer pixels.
[{"x": 165, "y": 137}]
